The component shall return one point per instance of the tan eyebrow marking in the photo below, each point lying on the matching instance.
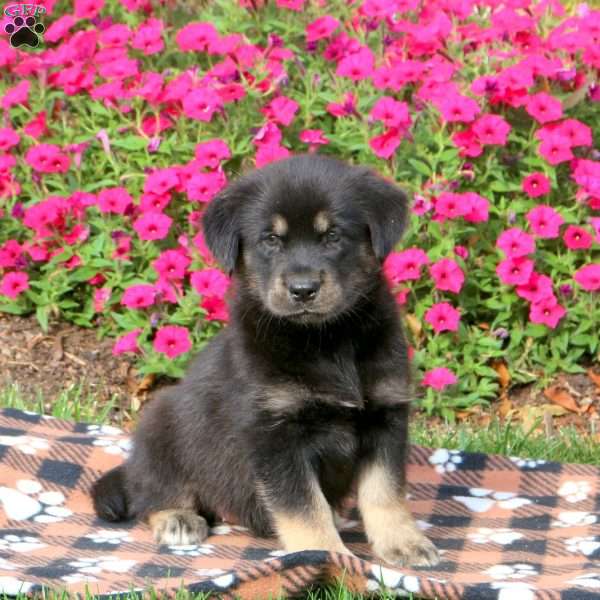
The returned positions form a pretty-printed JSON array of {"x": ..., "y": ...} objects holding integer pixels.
[
  {"x": 321, "y": 222},
  {"x": 280, "y": 226}
]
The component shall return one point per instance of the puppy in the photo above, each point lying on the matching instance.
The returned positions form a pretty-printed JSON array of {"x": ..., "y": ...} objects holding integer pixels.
[{"x": 305, "y": 393}]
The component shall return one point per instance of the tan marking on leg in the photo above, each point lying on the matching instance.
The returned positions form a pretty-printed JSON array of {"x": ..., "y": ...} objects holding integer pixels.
[
  {"x": 178, "y": 526},
  {"x": 311, "y": 529},
  {"x": 389, "y": 524},
  {"x": 321, "y": 222},
  {"x": 280, "y": 226}
]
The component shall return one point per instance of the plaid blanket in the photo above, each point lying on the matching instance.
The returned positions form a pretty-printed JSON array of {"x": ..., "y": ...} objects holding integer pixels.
[{"x": 508, "y": 528}]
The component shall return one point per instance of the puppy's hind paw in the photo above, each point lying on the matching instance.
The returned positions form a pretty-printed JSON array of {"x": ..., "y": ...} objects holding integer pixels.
[
  {"x": 418, "y": 552},
  {"x": 178, "y": 527}
]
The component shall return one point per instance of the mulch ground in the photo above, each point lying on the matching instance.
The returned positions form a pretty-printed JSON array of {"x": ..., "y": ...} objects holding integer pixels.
[{"x": 46, "y": 364}]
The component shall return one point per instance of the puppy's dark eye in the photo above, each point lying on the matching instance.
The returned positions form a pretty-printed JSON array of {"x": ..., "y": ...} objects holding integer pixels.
[
  {"x": 271, "y": 240},
  {"x": 332, "y": 236}
]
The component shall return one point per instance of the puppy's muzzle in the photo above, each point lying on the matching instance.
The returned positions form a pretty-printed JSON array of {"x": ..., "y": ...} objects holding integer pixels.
[{"x": 303, "y": 289}]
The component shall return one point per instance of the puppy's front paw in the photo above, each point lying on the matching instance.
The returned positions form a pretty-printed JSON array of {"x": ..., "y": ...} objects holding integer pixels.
[
  {"x": 412, "y": 551},
  {"x": 178, "y": 527}
]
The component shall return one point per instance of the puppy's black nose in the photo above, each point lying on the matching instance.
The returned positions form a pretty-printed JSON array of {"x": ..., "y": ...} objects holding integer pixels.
[{"x": 303, "y": 289}]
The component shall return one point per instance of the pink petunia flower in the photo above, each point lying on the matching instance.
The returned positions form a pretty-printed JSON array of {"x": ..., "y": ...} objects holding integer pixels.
[
  {"x": 47, "y": 158},
  {"x": 577, "y": 238},
  {"x": 148, "y": 37},
  {"x": 8, "y": 138},
  {"x": 216, "y": 309},
  {"x": 16, "y": 95},
  {"x": 547, "y": 312},
  {"x": 171, "y": 265},
  {"x": 37, "y": 126},
  {"x": 211, "y": 153},
  {"x": 10, "y": 252},
  {"x": 467, "y": 142},
  {"x": 201, "y": 104},
  {"x": 14, "y": 283},
  {"x": 196, "y": 37},
  {"x": 320, "y": 28},
  {"x": 88, "y": 9},
  {"x": 127, "y": 343},
  {"x": 153, "y": 226},
  {"x": 515, "y": 270},
  {"x": 447, "y": 275},
  {"x": 457, "y": 108},
  {"x": 313, "y": 137},
  {"x": 101, "y": 296},
  {"x": 357, "y": 66},
  {"x": 210, "y": 282},
  {"x": 578, "y": 133},
  {"x": 543, "y": 107},
  {"x": 405, "y": 265},
  {"x": 114, "y": 200},
  {"x": 537, "y": 288},
  {"x": 296, "y": 5},
  {"x": 477, "y": 208},
  {"x": 385, "y": 145},
  {"x": 139, "y": 296},
  {"x": 491, "y": 129},
  {"x": 281, "y": 110},
  {"x": 544, "y": 221},
  {"x": 515, "y": 242},
  {"x": 443, "y": 317},
  {"x": 172, "y": 340},
  {"x": 391, "y": 112},
  {"x": 203, "y": 187},
  {"x": 270, "y": 153},
  {"x": 450, "y": 205},
  {"x": 439, "y": 378},
  {"x": 536, "y": 185},
  {"x": 588, "y": 277},
  {"x": 556, "y": 148}
]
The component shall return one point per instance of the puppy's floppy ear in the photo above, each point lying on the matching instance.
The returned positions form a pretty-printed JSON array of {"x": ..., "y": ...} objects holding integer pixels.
[
  {"x": 386, "y": 209},
  {"x": 220, "y": 222}
]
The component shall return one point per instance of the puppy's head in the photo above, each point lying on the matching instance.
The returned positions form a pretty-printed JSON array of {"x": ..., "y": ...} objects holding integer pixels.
[{"x": 306, "y": 235}]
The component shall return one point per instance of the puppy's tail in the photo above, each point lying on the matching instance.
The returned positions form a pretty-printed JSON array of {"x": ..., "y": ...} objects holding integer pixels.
[{"x": 110, "y": 497}]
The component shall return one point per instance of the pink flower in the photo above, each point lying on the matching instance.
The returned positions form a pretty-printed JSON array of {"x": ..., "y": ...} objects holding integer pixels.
[
  {"x": 88, "y": 9},
  {"x": 19, "y": 94},
  {"x": 8, "y": 138},
  {"x": 457, "y": 108},
  {"x": 14, "y": 283},
  {"x": 270, "y": 153},
  {"x": 139, "y": 296},
  {"x": 210, "y": 282},
  {"x": 385, "y": 145},
  {"x": 171, "y": 265},
  {"x": 357, "y": 66},
  {"x": 201, "y": 104},
  {"x": 281, "y": 110},
  {"x": 537, "y": 288},
  {"x": 543, "y": 107},
  {"x": 127, "y": 343},
  {"x": 443, "y": 317},
  {"x": 515, "y": 242},
  {"x": 405, "y": 265},
  {"x": 172, "y": 340},
  {"x": 515, "y": 271},
  {"x": 536, "y": 185},
  {"x": 196, "y": 37},
  {"x": 37, "y": 126},
  {"x": 447, "y": 275},
  {"x": 203, "y": 187},
  {"x": 47, "y": 158},
  {"x": 477, "y": 208},
  {"x": 391, "y": 112},
  {"x": 544, "y": 221},
  {"x": 450, "y": 205},
  {"x": 577, "y": 238},
  {"x": 161, "y": 181},
  {"x": 211, "y": 153},
  {"x": 588, "y": 277},
  {"x": 216, "y": 308},
  {"x": 548, "y": 312},
  {"x": 148, "y": 37},
  {"x": 10, "y": 252},
  {"x": 491, "y": 129},
  {"x": 467, "y": 142},
  {"x": 321, "y": 27},
  {"x": 439, "y": 378},
  {"x": 153, "y": 226},
  {"x": 578, "y": 133},
  {"x": 313, "y": 137},
  {"x": 114, "y": 200},
  {"x": 345, "y": 109},
  {"x": 556, "y": 148}
]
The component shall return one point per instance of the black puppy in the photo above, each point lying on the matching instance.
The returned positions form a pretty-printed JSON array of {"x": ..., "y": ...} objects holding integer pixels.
[{"x": 305, "y": 393}]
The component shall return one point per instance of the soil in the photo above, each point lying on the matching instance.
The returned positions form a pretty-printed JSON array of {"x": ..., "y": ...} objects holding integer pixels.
[{"x": 40, "y": 364}]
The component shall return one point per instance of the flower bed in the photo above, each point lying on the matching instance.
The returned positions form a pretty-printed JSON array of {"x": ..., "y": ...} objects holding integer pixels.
[{"x": 129, "y": 117}]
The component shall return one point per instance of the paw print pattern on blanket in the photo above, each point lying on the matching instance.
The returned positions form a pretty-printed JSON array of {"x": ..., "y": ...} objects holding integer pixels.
[{"x": 30, "y": 501}]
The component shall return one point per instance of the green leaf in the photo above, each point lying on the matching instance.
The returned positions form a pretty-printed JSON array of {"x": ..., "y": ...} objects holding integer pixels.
[
  {"x": 131, "y": 142},
  {"x": 420, "y": 166}
]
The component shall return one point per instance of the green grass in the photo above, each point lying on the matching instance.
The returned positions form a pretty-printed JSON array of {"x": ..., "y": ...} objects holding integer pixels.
[{"x": 568, "y": 445}]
